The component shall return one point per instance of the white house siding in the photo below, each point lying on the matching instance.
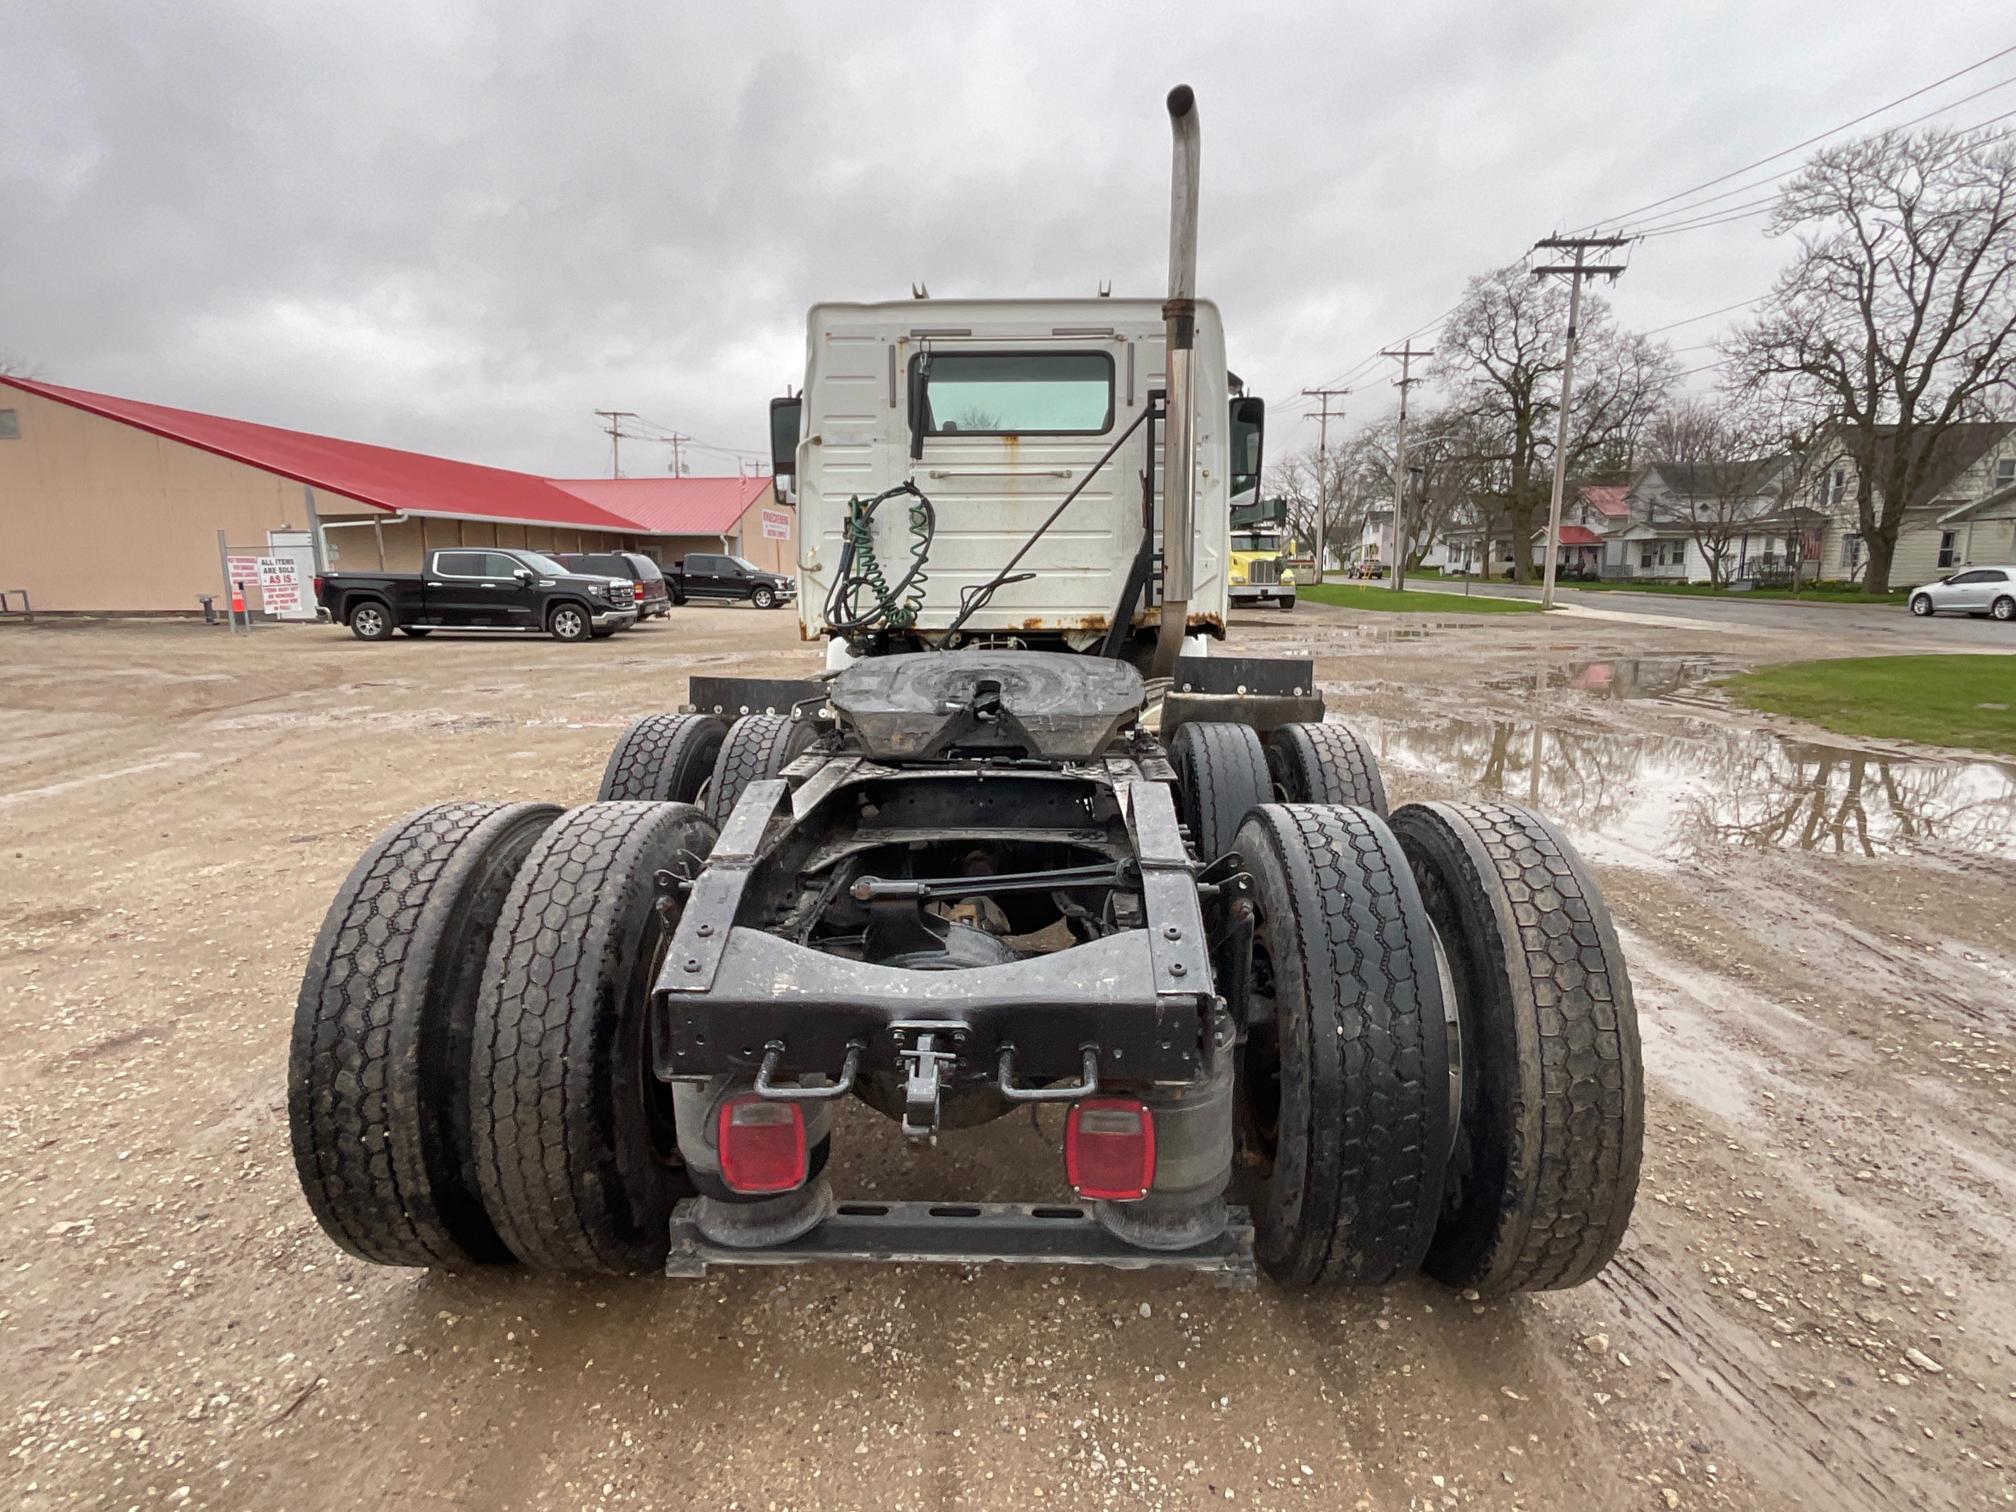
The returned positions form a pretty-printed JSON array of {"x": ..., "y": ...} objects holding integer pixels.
[{"x": 1916, "y": 559}]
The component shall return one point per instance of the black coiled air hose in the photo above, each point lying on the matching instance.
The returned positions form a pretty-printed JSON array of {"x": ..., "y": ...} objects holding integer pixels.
[{"x": 862, "y": 597}]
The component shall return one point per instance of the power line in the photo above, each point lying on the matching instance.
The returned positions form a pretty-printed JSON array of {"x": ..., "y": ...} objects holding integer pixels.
[
  {"x": 1683, "y": 217},
  {"x": 1741, "y": 304},
  {"x": 1764, "y": 206},
  {"x": 1809, "y": 141},
  {"x": 1774, "y": 180},
  {"x": 1718, "y": 220}
]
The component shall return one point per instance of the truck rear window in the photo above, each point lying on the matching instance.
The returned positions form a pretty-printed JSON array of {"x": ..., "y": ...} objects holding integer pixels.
[{"x": 1015, "y": 393}]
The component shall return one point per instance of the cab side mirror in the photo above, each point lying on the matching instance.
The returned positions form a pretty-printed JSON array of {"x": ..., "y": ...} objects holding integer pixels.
[
  {"x": 1249, "y": 429},
  {"x": 523, "y": 574},
  {"x": 786, "y": 417}
]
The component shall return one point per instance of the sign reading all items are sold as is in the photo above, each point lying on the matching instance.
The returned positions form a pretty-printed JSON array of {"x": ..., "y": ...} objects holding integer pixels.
[{"x": 279, "y": 584}]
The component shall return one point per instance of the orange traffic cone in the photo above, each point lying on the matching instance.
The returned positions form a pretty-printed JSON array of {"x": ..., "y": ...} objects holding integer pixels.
[{"x": 237, "y": 598}]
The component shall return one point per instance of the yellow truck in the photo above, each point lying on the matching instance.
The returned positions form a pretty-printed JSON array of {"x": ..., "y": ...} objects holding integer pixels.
[{"x": 1258, "y": 571}]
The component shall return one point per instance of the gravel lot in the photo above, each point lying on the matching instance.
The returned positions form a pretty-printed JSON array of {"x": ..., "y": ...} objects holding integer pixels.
[{"x": 1814, "y": 1307}]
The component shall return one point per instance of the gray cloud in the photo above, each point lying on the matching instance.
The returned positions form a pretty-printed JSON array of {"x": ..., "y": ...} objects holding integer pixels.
[{"x": 462, "y": 227}]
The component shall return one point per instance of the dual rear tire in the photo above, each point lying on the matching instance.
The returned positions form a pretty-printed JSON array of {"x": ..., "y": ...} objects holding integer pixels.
[
  {"x": 470, "y": 1077},
  {"x": 1441, "y": 1065}
]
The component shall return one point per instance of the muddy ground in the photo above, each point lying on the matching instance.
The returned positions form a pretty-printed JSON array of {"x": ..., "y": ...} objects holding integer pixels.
[{"x": 1814, "y": 1307}]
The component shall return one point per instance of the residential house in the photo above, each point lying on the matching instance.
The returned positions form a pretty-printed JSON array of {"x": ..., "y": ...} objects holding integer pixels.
[
  {"x": 1653, "y": 528},
  {"x": 1462, "y": 548},
  {"x": 1675, "y": 513},
  {"x": 1965, "y": 510},
  {"x": 1984, "y": 531}
]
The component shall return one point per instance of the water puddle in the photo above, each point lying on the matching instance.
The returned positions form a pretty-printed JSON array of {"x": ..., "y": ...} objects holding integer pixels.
[
  {"x": 1620, "y": 677},
  {"x": 1633, "y": 798}
]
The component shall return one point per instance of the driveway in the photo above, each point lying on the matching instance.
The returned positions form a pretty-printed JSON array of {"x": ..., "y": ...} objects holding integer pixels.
[{"x": 1813, "y": 1306}]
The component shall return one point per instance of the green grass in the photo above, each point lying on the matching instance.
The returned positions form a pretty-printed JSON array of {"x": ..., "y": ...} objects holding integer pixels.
[
  {"x": 1940, "y": 700},
  {"x": 1378, "y": 596},
  {"x": 1817, "y": 593}
]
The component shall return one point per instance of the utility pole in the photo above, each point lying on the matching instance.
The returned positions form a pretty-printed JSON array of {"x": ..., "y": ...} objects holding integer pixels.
[
  {"x": 616, "y": 419},
  {"x": 1575, "y": 273},
  {"x": 1322, "y": 417},
  {"x": 1406, "y": 354},
  {"x": 678, "y": 455}
]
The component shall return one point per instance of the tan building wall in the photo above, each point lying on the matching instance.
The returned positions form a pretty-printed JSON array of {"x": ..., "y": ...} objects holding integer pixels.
[
  {"x": 406, "y": 542},
  {"x": 101, "y": 517},
  {"x": 95, "y": 515},
  {"x": 769, "y": 553}
]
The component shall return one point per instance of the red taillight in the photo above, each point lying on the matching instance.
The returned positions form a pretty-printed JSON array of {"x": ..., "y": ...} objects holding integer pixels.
[
  {"x": 1109, "y": 1149},
  {"x": 318, "y": 586},
  {"x": 640, "y": 592},
  {"x": 762, "y": 1145}
]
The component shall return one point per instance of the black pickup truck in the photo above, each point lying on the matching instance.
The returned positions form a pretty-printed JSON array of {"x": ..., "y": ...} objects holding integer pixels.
[
  {"x": 466, "y": 588},
  {"x": 701, "y": 576}
]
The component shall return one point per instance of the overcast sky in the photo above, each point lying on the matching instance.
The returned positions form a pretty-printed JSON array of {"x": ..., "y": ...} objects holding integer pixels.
[{"x": 463, "y": 227}]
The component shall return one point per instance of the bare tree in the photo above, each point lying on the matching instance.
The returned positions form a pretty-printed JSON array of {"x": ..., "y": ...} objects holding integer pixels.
[
  {"x": 1721, "y": 464},
  {"x": 1895, "y": 314},
  {"x": 1305, "y": 481},
  {"x": 1447, "y": 451},
  {"x": 1500, "y": 352}
]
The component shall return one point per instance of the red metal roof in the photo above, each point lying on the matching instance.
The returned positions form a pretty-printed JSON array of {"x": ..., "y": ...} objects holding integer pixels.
[
  {"x": 1579, "y": 535},
  {"x": 422, "y": 485},
  {"x": 671, "y": 506},
  {"x": 1609, "y": 501}
]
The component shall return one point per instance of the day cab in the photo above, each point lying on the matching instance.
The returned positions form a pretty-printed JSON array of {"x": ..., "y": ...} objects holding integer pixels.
[{"x": 1004, "y": 412}]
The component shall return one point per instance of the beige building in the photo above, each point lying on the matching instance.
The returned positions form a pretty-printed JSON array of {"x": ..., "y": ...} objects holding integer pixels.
[{"x": 109, "y": 505}]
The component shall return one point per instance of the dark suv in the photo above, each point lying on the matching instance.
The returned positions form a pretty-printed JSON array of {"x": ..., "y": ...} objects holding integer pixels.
[{"x": 653, "y": 598}]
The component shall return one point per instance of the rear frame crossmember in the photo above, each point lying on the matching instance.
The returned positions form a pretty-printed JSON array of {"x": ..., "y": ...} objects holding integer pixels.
[{"x": 967, "y": 1233}]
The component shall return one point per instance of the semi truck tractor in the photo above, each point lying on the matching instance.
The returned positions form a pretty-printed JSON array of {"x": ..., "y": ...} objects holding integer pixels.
[{"x": 1030, "y": 841}]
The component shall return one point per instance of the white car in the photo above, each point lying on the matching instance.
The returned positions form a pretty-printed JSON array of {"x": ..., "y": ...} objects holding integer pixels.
[{"x": 1972, "y": 590}]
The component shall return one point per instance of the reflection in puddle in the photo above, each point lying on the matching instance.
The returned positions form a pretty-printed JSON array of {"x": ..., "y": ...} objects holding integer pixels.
[
  {"x": 1634, "y": 796},
  {"x": 1621, "y": 677}
]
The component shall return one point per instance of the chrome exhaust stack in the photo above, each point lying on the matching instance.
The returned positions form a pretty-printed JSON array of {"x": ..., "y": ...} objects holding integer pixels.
[{"x": 1179, "y": 425}]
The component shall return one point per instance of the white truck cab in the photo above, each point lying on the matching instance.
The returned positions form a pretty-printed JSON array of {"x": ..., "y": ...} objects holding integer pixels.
[{"x": 996, "y": 411}]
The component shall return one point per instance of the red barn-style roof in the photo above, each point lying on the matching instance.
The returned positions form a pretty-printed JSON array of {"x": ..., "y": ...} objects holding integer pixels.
[
  {"x": 417, "y": 484},
  {"x": 670, "y": 506},
  {"x": 1579, "y": 535}
]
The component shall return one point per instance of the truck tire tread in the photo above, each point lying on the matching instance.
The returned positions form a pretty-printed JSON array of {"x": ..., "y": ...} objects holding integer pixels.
[
  {"x": 663, "y": 758},
  {"x": 378, "y": 1058},
  {"x": 1363, "y": 1122},
  {"x": 1325, "y": 763},
  {"x": 1551, "y": 1034},
  {"x": 1221, "y": 774},
  {"x": 757, "y": 746},
  {"x": 560, "y": 1061}
]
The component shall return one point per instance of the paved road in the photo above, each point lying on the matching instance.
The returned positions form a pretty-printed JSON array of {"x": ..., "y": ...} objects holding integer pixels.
[{"x": 1863, "y": 622}]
